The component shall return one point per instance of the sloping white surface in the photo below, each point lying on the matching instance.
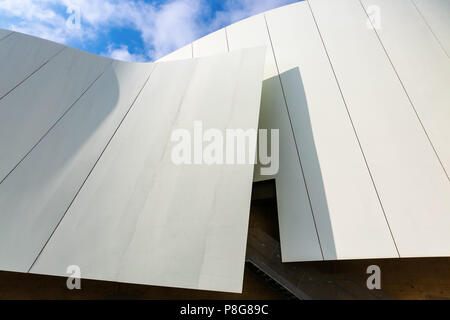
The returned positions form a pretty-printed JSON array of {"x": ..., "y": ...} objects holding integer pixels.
[
  {"x": 160, "y": 223},
  {"x": 363, "y": 147},
  {"x": 25, "y": 55},
  {"x": 423, "y": 67},
  {"x": 369, "y": 113},
  {"x": 412, "y": 184},
  {"x": 349, "y": 218},
  {"x": 66, "y": 127},
  {"x": 214, "y": 43},
  {"x": 436, "y": 13},
  {"x": 180, "y": 54},
  {"x": 4, "y": 34},
  {"x": 35, "y": 196},
  {"x": 295, "y": 218},
  {"x": 29, "y": 111}
]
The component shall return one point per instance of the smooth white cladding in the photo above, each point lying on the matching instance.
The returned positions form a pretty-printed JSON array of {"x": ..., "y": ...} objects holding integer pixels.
[
  {"x": 29, "y": 55},
  {"x": 4, "y": 34},
  {"x": 412, "y": 184},
  {"x": 422, "y": 66},
  {"x": 180, "y": 54},
  {"x": 86, "y": 175},
  {"x": 436, "y": 14},
  {"x": 35, "y": 196},
  {"x": 297, "y": 221},
  {"x": 362, "y": 104},
  {"x": 364, "y": 152},
  {"x": 214, "y": 43},
  {"x": 328, "y": 145},
  {"x": 157, "y": 222},
  {"x": 33, "y": 108}
]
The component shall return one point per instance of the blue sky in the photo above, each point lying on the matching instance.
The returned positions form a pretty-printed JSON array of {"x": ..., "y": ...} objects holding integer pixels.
[{"x": 130, "y": 30}]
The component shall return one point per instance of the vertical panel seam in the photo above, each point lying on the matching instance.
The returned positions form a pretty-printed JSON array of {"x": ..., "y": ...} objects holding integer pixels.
[
  {"x": 54, "y": 124},
  {"x": 7, "y": 36},
  {"x": 32, "y": 73},
  {"x": 226, "y": 37},
  {"x": 431, "y": 29},
  {"x": 354, "y": 129},
  {"x": 93, "y": 167},
  {"x": 406, "y": 91},
  {"x": 295, "y": 140}
]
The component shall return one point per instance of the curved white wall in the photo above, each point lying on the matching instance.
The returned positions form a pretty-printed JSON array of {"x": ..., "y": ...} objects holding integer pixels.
[
  {"x": 86, "y": 175},
  {"x": 363, "y": 114}
]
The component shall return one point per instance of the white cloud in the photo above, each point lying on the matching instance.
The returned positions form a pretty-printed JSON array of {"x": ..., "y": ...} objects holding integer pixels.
[
  {"x": 122, "y": 53},
  {"x": 29, "y": 9},
  {"x": 163, "y": 27},
  {"x": 172, "y": 26},
  {"x": 39, "y": 18}
]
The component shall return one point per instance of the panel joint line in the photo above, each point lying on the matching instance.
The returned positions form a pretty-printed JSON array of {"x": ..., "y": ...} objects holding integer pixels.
[
  {"x": 7, "y": 36},
  {"x": 295, "y": 140},
  {"x": 406, "y": 93},
  {"x": 93, "y": 167},
  {"x": 431, "y": 29},
  {"x": 32, "y": 73},
  {"x": 54, "y": 124},
  {"x": 354, "y": 129},
  {"x": 226, "y": 38}
]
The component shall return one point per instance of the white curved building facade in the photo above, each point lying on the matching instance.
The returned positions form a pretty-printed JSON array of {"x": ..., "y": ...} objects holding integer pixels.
[{"x": 359, "y": 91}]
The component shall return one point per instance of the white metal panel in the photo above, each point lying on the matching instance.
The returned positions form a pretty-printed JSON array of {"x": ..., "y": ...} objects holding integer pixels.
[
  {"x": 413, "y": 188},
  {"x": 252, "y": 32},
  {"x": 24, "y": 55},
  {"x": 437, "y": 15},
  {"x": 295, "y": 216},
  {"x": 4, "y": 34},
  {"x": 298, "y": 234},
  {"x": 213, "y": 43},
  {"x": 180, "y": 54},
  {"x": 35, "y": 196},
  {"x": 350, "y": 220},
  {"x": 151, "y": 225},
  {"x": 422, "y": 66},
  {"x": 29, "y": 111}
]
